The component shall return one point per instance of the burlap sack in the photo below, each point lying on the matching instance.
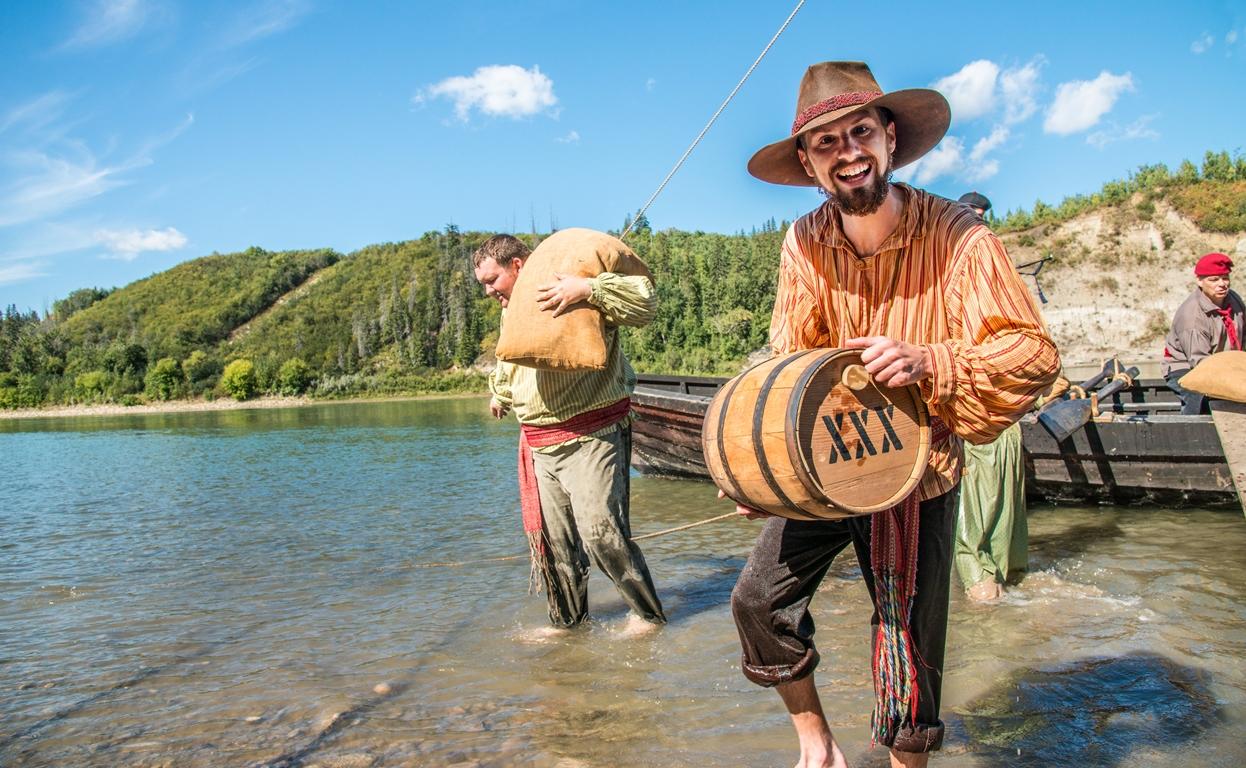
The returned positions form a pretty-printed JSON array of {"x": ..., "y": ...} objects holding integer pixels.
[
  {"x": 1222, "y": 375},
  {"x": 575, "y": 340}
]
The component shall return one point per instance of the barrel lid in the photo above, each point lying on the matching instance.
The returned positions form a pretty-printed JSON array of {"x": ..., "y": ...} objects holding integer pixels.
[{"x": 862, "y": 445}]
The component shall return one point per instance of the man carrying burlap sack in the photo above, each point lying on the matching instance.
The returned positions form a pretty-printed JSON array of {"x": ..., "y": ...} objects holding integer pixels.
[
  {"x": 930, "y": 297},
  {"x": 575, "y": 436}
]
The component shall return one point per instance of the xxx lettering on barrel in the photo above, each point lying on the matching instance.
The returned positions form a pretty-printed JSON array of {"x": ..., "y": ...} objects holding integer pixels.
[{"x": 864, "y": 443}]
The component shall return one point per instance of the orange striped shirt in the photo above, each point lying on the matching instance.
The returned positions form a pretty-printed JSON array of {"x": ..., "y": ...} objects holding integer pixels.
[{"x": 942, "y": 279}]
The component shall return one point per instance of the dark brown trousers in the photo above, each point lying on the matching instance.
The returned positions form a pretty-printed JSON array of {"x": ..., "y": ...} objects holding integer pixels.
[{"x": 770, "y": 604}]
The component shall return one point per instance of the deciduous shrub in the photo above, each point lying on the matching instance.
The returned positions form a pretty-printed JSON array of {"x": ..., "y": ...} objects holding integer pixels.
[
  {"x": 164, "y": 379},
  {"x": 239, "y": 380},
  {"x": 294, "y": 377}
]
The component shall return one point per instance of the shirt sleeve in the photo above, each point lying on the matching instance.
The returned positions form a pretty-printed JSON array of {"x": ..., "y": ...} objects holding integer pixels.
[
  {"x": 500, "y": 385},
  {"x": 999, "y": 358},
  {"x": 796, "y": 322},
  {"x": 624, "y": 299}
]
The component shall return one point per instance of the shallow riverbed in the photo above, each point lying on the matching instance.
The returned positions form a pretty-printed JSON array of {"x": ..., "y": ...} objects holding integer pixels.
[{"x": 245, "y": 588}]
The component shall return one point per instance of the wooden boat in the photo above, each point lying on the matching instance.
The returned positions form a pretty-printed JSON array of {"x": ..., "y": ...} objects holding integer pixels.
[{"x": 1139, "y": 449}]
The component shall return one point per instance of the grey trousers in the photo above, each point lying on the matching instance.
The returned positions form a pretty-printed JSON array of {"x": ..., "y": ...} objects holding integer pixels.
[
  {"x": 585, "y": 494},
  {"x": 770, "y": 604}
]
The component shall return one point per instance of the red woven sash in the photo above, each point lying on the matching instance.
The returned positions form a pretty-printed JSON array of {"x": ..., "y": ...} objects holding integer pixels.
[{"x": 530, "y": 437}]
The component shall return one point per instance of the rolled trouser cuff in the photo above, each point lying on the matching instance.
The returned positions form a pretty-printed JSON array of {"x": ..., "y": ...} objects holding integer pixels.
[
  {"x": 916, "y": 738},
  {"x": 770, "y": 676}
]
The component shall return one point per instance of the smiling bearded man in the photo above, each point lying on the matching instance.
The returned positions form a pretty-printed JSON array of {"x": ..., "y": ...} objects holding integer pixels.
[{"x": 927, "y": 293}]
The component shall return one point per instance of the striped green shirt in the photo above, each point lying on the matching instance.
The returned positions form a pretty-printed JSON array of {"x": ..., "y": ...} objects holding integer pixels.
[{"x": 543, "y": 398}]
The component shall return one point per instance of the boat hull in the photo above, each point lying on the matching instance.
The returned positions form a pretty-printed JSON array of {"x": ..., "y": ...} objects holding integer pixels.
[{"x": 1140, "y": 450}]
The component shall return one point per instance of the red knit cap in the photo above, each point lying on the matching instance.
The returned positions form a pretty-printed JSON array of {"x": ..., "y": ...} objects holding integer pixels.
[{"x": 1213, "y": 264}]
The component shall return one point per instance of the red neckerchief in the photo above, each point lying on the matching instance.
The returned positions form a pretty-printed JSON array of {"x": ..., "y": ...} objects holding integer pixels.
[{"x": 1230, "y": 327}]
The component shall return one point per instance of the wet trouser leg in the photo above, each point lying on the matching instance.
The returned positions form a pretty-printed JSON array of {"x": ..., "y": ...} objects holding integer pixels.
[
  {"x": 770, "y": 604},
  {"x": 585, "y": 493},
  {"x": 992, "y": 533}
]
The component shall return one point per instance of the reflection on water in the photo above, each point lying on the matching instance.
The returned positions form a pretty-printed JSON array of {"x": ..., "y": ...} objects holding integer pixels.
[{"x": 243, "y": 588}]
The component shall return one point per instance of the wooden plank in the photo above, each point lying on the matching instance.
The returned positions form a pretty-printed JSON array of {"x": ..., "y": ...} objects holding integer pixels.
[{"x": 1230, "y": 421}]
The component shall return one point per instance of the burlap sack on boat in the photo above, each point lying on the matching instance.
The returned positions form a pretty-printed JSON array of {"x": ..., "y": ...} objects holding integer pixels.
[
  {"x": 576, "y": 339},
  {"x": 1222, "y": 376}
]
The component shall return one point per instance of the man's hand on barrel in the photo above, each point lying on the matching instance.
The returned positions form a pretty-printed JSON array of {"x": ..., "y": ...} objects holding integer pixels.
[
  {"x": 749, "y": 512},
  {"x": 565, "y": 292},
  {"x": 893, "y": 363}
]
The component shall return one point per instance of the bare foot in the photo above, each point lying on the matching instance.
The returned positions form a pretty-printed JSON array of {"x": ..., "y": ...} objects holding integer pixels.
[
  {"x": 986, "y": 591},
  {"x": 909, "y": 759},
  {"x": 638, "y": 627},
  {"x": 542, "y": 634},
  {"x": 821, "y": 756}
]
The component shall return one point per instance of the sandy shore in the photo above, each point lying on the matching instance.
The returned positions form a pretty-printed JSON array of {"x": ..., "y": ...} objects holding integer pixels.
[{"x": 187, "y": 406}]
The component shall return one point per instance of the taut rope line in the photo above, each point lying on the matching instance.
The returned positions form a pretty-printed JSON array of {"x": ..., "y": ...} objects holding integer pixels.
[
  {"x": 640, "y": 214},
  {"x": 524, "y": 556}
]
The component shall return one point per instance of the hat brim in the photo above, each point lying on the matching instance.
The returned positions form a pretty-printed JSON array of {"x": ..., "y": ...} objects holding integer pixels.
[{"x": 921, "y": 116}]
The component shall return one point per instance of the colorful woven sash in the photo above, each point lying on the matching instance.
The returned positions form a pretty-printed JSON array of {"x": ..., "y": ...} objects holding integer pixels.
[{"x": 893, "y": 559}]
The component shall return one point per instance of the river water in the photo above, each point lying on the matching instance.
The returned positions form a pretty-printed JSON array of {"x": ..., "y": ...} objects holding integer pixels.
[{"x": 246, "y": 588}]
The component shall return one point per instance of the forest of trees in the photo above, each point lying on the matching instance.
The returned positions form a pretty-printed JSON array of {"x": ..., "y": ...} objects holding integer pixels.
[
  {"x": 408, "y": 318},
  {"x": 1213, "y": 196}
]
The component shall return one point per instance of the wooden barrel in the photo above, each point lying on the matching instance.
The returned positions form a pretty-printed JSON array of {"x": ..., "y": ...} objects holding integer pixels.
[{"x": 810, "y": 436}]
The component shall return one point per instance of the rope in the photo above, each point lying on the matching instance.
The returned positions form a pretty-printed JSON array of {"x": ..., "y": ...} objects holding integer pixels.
[
  {"x": 461, "y": 563},
  {"x": 640, "y": 214}
]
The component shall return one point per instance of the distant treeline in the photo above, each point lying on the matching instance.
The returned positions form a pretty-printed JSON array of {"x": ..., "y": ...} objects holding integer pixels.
[
  {"x": 395, "y": 318},
  {"x": 1213, "y": 196},
  {"x": 408, "y": 318}
]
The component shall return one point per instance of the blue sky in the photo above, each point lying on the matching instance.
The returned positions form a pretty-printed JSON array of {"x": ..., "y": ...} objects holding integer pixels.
[{"x": 136, "y": 134}]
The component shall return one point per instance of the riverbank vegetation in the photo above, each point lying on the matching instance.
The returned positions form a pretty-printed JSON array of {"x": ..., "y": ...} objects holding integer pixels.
[{"x": 408, "y": 318}]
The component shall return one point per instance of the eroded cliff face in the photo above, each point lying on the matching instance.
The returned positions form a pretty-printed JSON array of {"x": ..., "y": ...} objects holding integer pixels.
[{"x": 1116, "y": 277}]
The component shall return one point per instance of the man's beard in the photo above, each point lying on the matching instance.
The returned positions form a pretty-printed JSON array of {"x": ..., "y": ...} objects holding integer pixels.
[{"x": 864, "y": 200}]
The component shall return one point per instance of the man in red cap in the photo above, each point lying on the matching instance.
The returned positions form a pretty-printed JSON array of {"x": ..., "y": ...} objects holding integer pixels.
[
  {"x": 1211, "y": 320},
  {"x": 928, "y": 294}
]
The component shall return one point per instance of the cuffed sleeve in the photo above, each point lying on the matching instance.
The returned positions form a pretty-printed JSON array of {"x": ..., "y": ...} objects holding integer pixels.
[
  {"x": 624, "y": 299},
  {"x": 500, "y": 386},
  {"x": 1002, "y": 358}
]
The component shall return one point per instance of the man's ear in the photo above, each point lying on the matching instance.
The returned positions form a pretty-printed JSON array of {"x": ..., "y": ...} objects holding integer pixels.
[
  {"x": 804, "y": 161},
  {"x": 891, "y": 137},
  {"x": 518, "y": 262}
]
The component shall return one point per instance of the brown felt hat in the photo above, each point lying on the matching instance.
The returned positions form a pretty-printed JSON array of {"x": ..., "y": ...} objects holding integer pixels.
[{"x": 833, "y": 89}]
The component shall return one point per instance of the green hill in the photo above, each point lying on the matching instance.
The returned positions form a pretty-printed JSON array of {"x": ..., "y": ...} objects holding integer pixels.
[{"x": 408, "y": 317}]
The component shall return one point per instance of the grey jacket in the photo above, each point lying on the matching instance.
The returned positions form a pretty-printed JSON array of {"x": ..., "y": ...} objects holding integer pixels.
[{"x": 1198, "y": 331}]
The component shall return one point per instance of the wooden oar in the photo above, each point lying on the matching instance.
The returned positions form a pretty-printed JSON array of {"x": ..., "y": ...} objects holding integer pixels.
[
  {"x": 1110, "y": 366},
  {"x": 1067, "y": 416}
]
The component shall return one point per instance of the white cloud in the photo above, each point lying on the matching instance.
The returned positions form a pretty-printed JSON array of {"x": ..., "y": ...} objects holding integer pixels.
[
  {"x": 50, "y": 180},
  {"x": 264, "y": 20},
  {"x": 1079, "y": 104},
  {"x": 1138, "y": 129},
  {"x": 971, "y": 91},
  {"x": 1203, "y": 43},
  {"x": 947, "y": 159},
  {"x": 499, "y": 90},
  {"x": 109, "y": 21},
  {"x": 54, "y": 184},
  {"x": 1020, "y": 87},
  {"x": 36, "y": 114},
  {"x": 650, "y": 84},
  {"x": 128, "y": 244},
  {"x": 986, "y": 144},
  {"x": 1231, "y": 37},
  {"x": 981, "y": 171},
  {"x": 571, "y": 138},
  {"x": 19, "y": 273}
]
